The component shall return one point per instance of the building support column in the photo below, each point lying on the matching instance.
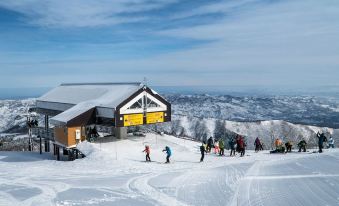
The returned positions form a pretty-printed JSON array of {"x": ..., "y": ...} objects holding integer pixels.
[
  {"x": 40, "y": 144},
  {"x": 121, "y": 132},
  {"x": 58, "y": 152},
  {"x": 30, "y": 148},
  {"x": 54, "y": 149},
  {"x": 47, "y": 149}
]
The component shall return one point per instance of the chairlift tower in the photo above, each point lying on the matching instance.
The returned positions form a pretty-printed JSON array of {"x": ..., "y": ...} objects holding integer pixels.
[{"x": 30, "y": 118}]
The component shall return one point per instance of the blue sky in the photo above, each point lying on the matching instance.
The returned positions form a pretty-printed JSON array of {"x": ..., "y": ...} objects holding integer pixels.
[{"x": 265, "y": 43}]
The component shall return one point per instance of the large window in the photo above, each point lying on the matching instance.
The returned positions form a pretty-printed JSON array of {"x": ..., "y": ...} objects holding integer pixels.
[
  {"x": 136, "y": 105},
  {"x": 151, "y": 104}
]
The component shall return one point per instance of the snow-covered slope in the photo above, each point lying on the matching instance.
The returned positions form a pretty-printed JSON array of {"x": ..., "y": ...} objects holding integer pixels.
[
  {"x": 12, "y": 113},
  {"x": 115, "y": 173}
]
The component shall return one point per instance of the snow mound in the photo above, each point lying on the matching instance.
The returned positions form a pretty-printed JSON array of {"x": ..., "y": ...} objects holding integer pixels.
[{"x": 91, "y": 151}]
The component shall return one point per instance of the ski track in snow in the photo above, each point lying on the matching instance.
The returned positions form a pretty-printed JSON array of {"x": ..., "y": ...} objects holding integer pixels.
[{"x": 103, "y": 178}]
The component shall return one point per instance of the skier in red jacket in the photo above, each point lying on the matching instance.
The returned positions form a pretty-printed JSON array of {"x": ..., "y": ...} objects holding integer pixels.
[{"x": 147, "y": 151}]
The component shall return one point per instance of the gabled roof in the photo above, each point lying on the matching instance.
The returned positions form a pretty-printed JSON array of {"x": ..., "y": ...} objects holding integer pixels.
[
  {"x": 75, "y": 99},
  {"x": 99, "y": 94}
]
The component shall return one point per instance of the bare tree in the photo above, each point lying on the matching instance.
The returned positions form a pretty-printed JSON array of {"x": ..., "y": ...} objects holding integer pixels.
[{"x": 199, "y": 130}]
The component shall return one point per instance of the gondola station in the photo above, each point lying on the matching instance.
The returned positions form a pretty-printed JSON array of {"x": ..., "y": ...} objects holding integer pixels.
[{"x": 72, "y": 110}]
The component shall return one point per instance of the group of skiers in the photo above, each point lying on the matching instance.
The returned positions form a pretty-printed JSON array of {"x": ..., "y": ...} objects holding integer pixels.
[
  {"x": 235, "y": 144},
  {"x": 238, "y": 144},
  {"x": 287, "y": 147}
]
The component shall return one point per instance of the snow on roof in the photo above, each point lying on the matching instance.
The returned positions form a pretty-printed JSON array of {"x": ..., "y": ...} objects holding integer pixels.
[
  {"x": 71, "y": 113},
  {"x": 101, "y": 94},
  {"x": 86, "y": 96}
]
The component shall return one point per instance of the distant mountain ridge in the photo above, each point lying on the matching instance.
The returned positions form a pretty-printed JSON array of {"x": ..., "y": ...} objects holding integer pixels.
[
  {"x": 195, "y": 116},
  {"x": 308, "y": 110}
]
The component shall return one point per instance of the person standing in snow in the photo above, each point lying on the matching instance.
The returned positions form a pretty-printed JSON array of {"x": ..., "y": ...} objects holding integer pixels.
[
  {"x": 216, "y": 147},
  {"x": 321, "y": 139},
  {"x": 221, "y": 147},
  {"x": 241, "y": 145},
  {"x": 231, "y": 143},
  {"x": 205, "y": 145},
  {"x": 209, "y": 144},
  {"x": 331, "y": 143},
  {"x": 168, "y": 152},
  {"x": 202, "y": 151},
  {"x": 147, "y": 151},
  {"x": 257, "y": 144},
  {"x": 302, "y": 145},
  {"x": 288, "y": 146}
]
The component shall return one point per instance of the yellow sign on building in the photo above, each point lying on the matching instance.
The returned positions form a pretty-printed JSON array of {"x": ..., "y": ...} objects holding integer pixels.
[
  {"x": 133, "y": 119},
  {"x": 155, "y": 117}
]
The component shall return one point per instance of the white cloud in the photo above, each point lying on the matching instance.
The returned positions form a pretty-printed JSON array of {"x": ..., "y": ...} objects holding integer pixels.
[
  {"x": 81, "y": 13},
  {"x": 285, "y": 42},
  {"x": 219, "y": 7}
]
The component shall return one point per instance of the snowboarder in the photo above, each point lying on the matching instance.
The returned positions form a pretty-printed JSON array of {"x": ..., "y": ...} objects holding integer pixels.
[
  {"x": 231, "y": 143},
  {"x": 321, "y": 139},
  {"x": 221, "y": 147},
  {"x": 288, "y": 146},
  {"x": 202, "y": 151},
  {"x": 302, "y": 145},
  {"x": 209, "y": 144},
  {"x": 168, "y": 152},
  {"x": 241, "y": 145},
  {"x": 216, "y": 147},
  {"x": 257, "y": 144},
  {"x": 147, "y": 151},
  {"x": 331, "y": 143}
]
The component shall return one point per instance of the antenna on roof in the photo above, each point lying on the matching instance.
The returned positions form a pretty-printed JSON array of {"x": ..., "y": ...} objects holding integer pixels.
[{"x": 145, "y": 82}]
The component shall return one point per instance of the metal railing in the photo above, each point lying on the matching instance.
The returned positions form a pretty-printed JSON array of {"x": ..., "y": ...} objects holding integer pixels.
[{"x": 41, "y": 131}]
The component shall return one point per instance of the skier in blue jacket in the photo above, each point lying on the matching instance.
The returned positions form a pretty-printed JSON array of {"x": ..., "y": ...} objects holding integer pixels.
[
  {"x": 168, "y": 152},
  {"x": 331, "y": 143}
]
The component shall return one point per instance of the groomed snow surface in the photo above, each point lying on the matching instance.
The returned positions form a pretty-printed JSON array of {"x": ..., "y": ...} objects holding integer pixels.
[{"x": 115, "y": 173}]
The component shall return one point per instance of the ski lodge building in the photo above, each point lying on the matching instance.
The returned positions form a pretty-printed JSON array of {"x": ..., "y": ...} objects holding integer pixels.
[{"x": 73, "y": 108}]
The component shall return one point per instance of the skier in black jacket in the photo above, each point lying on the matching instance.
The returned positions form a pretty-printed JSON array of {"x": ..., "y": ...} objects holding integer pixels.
[
  {"x": 321, "y": 139},
  {"x": 209, "y": 144}
]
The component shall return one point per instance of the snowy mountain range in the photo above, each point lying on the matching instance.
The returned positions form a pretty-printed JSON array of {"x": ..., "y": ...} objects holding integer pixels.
[
  {"x": 267, "y": 117},
  {"x": 308, "y": 110},
  {"x": 287, "y": 117}
]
